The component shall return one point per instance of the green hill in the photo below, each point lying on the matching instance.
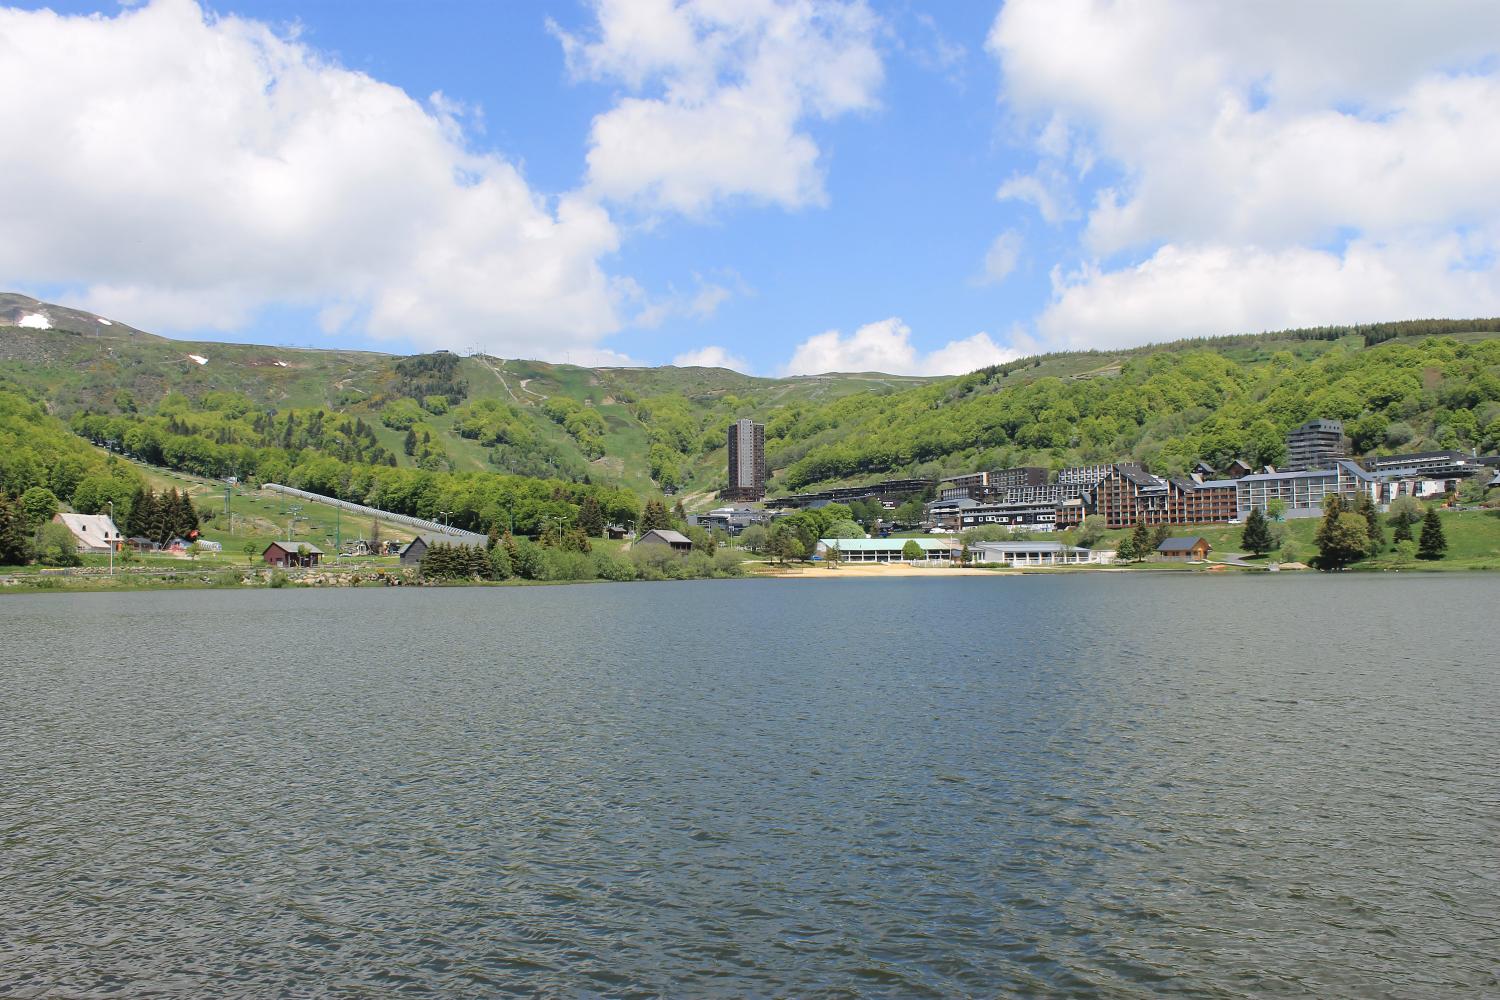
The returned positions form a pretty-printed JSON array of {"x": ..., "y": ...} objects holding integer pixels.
[
  {"x": 1398, "y": 387},
  {"x": 640, "y": 428},
  {"x": 309, "y": 417}
]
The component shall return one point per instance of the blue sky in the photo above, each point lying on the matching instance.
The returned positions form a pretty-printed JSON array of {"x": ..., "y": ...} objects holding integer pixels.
[{"x": 780, "y": 185}]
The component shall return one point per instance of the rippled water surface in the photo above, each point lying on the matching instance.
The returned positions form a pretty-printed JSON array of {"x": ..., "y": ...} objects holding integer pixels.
[{"x": 1062, "y": 786}]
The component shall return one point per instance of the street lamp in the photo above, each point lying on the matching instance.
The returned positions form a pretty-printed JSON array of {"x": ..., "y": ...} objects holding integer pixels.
[{"x": 117, "y": 537}]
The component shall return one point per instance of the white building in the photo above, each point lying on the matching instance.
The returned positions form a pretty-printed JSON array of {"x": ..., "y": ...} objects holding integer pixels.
[
  {"x": 91, "y": 532},
  {"x": 1039, "y": 554},
  {"x": 1303, "y": 492},
  {"x": 887, "y": 550}
]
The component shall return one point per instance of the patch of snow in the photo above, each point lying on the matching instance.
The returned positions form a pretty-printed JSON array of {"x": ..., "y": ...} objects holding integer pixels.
[
  {"x": 199, "y": 358},
  {"x": 35, "y": 321},
  {"x": 101, "y": 319},
  {"x": 280, "y": 364}
]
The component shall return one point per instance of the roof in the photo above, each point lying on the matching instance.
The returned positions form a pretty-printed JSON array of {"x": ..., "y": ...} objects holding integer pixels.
[
  {"x": 667, "y": 535},
  {"x": 431, "y": 538},
  {"x": 94, "y": 525},
  {"x": 1182, "y": 544},
  {"x": 1138, "y": 475},
  {"x": 1029, "y": 547},
  {"x": 294, "y": 547},
  {"x": 1421, "y": 456}
]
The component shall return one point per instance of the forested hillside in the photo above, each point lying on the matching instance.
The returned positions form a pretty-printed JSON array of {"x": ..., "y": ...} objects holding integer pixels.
[
  {"x": 426, "y": 433},
  {"x": 1164, "y": 408},
  {"x": 647, "y": 429}
]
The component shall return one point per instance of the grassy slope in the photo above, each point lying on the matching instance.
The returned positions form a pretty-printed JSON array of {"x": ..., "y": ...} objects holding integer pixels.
[{"x": 1473, "y": 541}]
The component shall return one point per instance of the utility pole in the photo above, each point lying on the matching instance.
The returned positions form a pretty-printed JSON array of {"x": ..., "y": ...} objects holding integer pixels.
[{"x": 117, "y": 538}]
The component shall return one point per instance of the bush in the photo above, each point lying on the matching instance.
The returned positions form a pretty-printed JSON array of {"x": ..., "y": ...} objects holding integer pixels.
[
  {"x": 560, "y": 564},
  {"x": 728, "y": 563},
  {"x": 609, "y": 566},
  {"x": 55, "y": 546},
  {"x": 278, "y": 580}
]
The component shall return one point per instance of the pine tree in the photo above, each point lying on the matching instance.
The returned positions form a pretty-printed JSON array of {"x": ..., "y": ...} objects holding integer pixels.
[
  {"x": 15, "y": 548},
  {"x": 1402, "y": 532},
  {"x": 1433, "y": 543},
  {"x": 656, "y": 516},
  {"x": 1365, "y": 508},
  {"x": 1257, "y": 535},
  {"x": 576, "y": 540},
  {"x": 1332, "y": 508},
  {"x": 409, "y": 445},
  {"x": 187, "y": 517},
  {"x": 591, "y": 517},
  {"x": 133, "y": 517}
]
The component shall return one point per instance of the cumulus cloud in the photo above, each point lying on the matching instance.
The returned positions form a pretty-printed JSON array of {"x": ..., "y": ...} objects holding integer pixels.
[
  {"x": 885, "y": 346},
  {"x": 1265, "y": 162},
  {"x": 712, "y": 357},
  {"x": 186, "y": 170},
  {"x": 721, "y": 96},
  {"x": 1206, "y": 290}
]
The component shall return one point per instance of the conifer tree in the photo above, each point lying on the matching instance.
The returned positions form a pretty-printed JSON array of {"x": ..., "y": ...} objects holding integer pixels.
[
  {"x": 591, "y": 517},
  {"x": 1257, "y": 534},
  {"x": 1365, "y": 508},
  {"x": 656, "y": 516},
  {"x": 15, "y": 549},
  {"x": 137, "y": 506},
  {"x": 1432, "y": 543}
]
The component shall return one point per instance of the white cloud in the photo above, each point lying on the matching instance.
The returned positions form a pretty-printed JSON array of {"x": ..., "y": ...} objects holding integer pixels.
[
  {"x": 1246, "y": 142},
  {"x": 184, "y": 171},
  {"x": 1207, "y": 290},
  {"x": 885, "y": 346},
  {"x": 732, "y": 88},
  {"x": 712, "y": 357},
  {"x": 1001, "y": 258}
]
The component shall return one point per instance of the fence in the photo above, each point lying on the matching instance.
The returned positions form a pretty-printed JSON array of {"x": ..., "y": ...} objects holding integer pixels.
[{"x": 467, "y": 537}]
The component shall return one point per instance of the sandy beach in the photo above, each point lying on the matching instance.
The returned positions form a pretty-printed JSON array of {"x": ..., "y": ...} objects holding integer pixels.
[{"x": 855, "y": 571}]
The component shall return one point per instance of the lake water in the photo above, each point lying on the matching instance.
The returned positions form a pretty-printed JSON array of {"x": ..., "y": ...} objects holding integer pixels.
[{"x": 1112, "y": 785}]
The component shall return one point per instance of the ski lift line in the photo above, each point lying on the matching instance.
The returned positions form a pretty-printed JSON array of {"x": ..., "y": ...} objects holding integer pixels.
[{"x": 471, "y": 537}]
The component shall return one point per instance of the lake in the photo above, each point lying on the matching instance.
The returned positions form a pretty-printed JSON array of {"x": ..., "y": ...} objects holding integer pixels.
[{"x": 1107, "y": 785}]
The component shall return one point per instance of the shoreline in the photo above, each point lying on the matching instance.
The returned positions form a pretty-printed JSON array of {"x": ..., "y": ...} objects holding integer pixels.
[{"x": 201, "y": 580}]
